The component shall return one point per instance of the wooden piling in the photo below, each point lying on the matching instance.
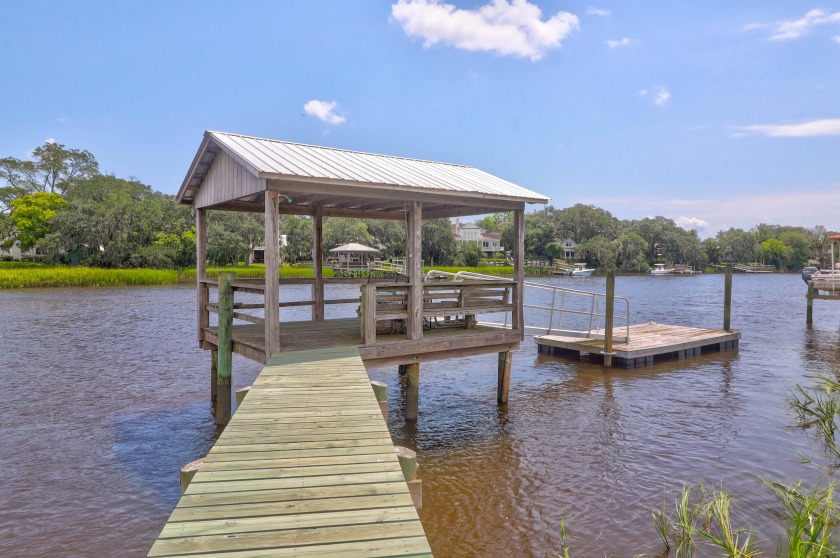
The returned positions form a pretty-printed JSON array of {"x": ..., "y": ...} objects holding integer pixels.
[
  {"x": 609, "y": 312},
  {"x": 809, "y": 316},
  {"x": 214, "y": 372},
  {"x": 412, "y": 391},
  {"x": 240, "y": 395},
  {"x": 188, "y": 471},
  {"x": 727, "y": 297},
  {"x": 225, "y": 348},
  {"x": 408, "y": 464},
  {"x": 505, "y": 361},
  {"x": 380, "y": 390}
]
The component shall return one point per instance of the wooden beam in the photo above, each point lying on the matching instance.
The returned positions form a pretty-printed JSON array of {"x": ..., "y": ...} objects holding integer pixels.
[
  {"x": 317, "y": 265},
  {"x": 414, "y": 270},
  {"x": 518, "y": 318},
  {"x": 203, "y": 292},
  {"x": 609, "y": 313},
  {"x": 272, "y": 266},
  {"x": 386, "y": 191},
  {"x": 225, "y": 348}
]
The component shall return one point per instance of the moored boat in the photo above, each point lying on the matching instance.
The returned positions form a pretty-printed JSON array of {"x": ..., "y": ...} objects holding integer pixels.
[
  {"x": 581, "y": 270},
  {"x": 660, "y": 269}
]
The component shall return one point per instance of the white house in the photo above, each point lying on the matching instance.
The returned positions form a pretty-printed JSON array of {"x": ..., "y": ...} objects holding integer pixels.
[
  {"x": 569, "y": 248},
  {"x": 490, "y": 243}
]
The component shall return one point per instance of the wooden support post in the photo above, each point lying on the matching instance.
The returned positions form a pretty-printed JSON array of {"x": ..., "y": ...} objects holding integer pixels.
[
  {"x": 203, "y": 292},
  {"x": 414, "y": 270},
  {"x": 225, "y": 348},
  {"x": 367, "y": 319},
  {"x": 240, "y": 395},
  {"x": 518, "y": 314},
  {"x": 272, "y": 274},
  {"x": 188, "y": 471},
  {"x": 412, "y": 391},
  {"x": 505, "y": 361},
  {"x": 809, "y": 315},
  {"x": 214, "y": 374},
  {"x": 380, "y": 390},
  {"x": 609, "y": 312},
  {"x": 408, "y": 464},
  {"x": 317, "y": 265},
  {"x": 727, "y": 297}
]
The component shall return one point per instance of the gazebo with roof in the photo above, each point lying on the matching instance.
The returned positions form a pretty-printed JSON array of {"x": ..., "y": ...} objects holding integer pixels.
[{"x": 234, "y": 172}]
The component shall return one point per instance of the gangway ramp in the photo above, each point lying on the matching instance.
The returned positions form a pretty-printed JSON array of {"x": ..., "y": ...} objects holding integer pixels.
[{"x": 306, "y": 467}]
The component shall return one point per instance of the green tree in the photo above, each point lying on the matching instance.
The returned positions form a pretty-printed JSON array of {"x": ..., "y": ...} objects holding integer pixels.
[
  {"x": 471, "y": 254},
  {"x": 774, "y": 251},
  {"x": 32, "y": 215},
  {"x": 582, "y": 222},
  {"x": 631, "y": 252},
  {"x": 343, "y": 230},
  {"x": 737, "y": 245},
  {"x": 108, "y": 220},
  {"x": 438, "y": 242},
  {"x": 299, "y": 234},
  {"x": 53, "y": 169},
  {"x": 232, "y": 235},
  {"x": 388, "y": 235}
]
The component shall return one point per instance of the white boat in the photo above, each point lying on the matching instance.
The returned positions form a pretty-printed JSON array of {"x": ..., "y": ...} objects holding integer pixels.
[
  {"x": 826, "y": 280},
  {"x": 660, "y": 269},
  {"x": 581, "y": 270}
]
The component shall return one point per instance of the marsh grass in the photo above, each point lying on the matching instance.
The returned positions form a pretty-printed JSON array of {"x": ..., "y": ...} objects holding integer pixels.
[
  {"x": 83, "y": 277},
  {"x": 818, "y": 407},
  {"x": 718, "y": 529},
  {"x": 810, "y": 515}
]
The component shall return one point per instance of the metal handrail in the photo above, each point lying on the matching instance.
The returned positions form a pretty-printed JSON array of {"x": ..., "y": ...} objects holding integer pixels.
[{"x": 596, "y": 317}]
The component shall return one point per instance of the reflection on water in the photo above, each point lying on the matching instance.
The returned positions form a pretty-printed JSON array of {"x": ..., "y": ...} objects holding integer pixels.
[{"x": 107, "y": 398}]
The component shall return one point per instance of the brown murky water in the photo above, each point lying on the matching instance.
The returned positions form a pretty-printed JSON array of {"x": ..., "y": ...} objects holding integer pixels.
[{"x": 105, "y": 397}]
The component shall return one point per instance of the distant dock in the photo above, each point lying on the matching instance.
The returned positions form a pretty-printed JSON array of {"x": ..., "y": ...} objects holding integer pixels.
[{"x": 646, "y": 344}]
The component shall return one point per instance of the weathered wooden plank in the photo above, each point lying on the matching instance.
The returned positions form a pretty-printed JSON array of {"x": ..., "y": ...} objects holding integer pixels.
[
  {"x": 409, "y": 547},
  {"x": 280, "y": 539},
  {"x": 234, "y": 499}
]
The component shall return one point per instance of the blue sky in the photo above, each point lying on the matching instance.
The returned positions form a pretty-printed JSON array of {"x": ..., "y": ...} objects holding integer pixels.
[{"x": 714, "y": 114}]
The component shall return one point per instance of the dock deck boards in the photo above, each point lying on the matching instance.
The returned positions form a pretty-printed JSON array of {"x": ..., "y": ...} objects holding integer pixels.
[
  {"x": 306, "y": 467},
  {"x": 645, "y": 342}
]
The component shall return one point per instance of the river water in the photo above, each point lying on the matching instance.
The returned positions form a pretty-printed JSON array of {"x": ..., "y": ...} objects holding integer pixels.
[{"x": 105, "y": 397}]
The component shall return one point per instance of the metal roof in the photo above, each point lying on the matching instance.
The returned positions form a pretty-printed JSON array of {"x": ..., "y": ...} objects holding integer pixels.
[
  {"x": 353, "y": 247},
  {"x": 283, "y": 160}
]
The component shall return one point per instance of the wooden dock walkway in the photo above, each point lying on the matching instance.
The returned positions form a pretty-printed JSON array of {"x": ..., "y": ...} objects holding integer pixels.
[
  {"x": 646, "y": 343},
  {"x": 306, "y": 467}
]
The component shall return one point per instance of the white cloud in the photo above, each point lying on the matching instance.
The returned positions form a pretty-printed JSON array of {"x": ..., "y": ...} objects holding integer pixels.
[
  {"x": 619, "y": 43},
  {"x": 796, "y": 28},
  {"x": 836, "y": 39},
  {"x": 825, "y": 127},
  {"x": 598, "y": 12},
  {"x": 49, "y": 140},
  {"x": 507, "y": 27},
  {"x": 658, "y": 93},
  {"x": 691, "y": 223},
  {"x": 324, "y": 111}
]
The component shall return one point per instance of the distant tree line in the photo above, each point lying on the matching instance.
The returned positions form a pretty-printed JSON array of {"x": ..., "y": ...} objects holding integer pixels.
[{"x": 60, "y": 203}]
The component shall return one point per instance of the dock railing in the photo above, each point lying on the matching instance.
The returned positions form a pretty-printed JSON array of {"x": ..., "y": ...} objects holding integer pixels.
[
  {"x": 587, "y": 310},
  {"x": 455, "y": 303}
]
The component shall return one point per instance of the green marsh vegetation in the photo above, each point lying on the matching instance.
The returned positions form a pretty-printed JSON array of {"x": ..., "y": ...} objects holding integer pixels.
[{"x": 48, "y": 276}]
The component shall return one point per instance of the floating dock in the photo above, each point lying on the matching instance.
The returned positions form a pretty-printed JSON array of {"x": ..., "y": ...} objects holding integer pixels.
[
  {"x": 306, "y": 467},
  {"x": 646, "y": 344}
]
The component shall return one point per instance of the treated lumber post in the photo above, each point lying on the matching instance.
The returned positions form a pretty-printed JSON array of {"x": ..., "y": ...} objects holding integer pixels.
[
  {"x": 368, "y": 314},
  {"x": 414, "y": 270},
  {"x": 240, "y": 395},
  {"x": 809, "y": 316},
  {"x": 412, "y": 391},
  {"x": 505, "y": 361},
  {"x": 203, "y": 292},
  {"x": 518, "y": 314},
  {"x": 727, "y": 297},
  {"x": 380, "y": 390},
  {"x": 272, "y": 277},
  {"x": 609, "y": 312},
  {"x": 214, "y": 374},
  {"x": 225, "y": 348},
  {"x": 188, "y": 471},
  {"x": 317, "y": 261},
  {"x": 408, "y": 464}
]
